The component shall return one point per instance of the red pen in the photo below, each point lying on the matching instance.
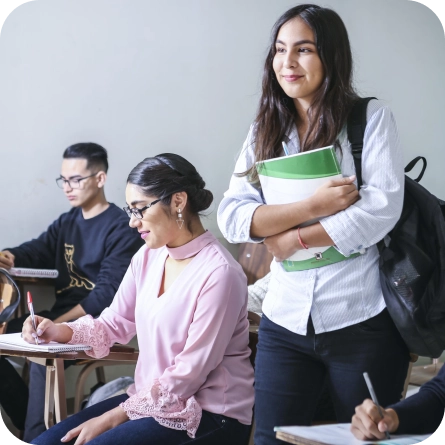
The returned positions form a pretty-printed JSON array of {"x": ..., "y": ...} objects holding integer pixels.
[{"x": 31, "y": 311}]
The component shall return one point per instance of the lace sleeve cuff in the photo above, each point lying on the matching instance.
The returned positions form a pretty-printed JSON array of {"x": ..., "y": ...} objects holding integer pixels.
[
  {"x": 89, "y": 331},
  {"x": 166, "y": 408}
]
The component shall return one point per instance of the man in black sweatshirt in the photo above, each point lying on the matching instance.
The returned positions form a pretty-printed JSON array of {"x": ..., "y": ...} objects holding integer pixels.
[
  {"x": 91, "y": 246},
  {"x": 421, "y": 413}
]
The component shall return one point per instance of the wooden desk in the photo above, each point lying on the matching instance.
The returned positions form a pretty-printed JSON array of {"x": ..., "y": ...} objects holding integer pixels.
[{"x": 55, "y": 398}]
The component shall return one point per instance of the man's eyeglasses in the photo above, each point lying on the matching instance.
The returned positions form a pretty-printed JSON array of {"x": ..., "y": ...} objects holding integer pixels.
[
  {"x": 72, "y": 183},
  {"x": 138, "y": 212}
]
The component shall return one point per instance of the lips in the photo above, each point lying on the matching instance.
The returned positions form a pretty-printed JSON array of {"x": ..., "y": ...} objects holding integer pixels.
[
  {"x": 292, "y": 78},
  {"x": 144, "y": 234}
]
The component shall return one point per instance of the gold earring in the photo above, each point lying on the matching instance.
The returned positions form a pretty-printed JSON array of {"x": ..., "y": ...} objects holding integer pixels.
[{"x": 180, "y": 221}]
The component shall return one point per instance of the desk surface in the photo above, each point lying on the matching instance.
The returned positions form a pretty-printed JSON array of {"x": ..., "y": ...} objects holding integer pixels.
[{"x": 120, "y": 353}]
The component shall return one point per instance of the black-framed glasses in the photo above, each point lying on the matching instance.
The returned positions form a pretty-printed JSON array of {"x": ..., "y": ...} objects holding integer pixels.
[
  {"x": 72, "y": 183},
  {"x": 138, "y": 212}
]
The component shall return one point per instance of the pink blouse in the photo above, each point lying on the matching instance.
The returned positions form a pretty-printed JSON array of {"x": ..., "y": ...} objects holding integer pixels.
[{"x": 193, "y": 339}]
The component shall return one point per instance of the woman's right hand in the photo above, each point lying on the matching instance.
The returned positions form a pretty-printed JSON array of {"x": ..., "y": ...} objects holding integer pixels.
[
  {"x": 47, "y": 331},
  {"x": 334, "y": 196}
]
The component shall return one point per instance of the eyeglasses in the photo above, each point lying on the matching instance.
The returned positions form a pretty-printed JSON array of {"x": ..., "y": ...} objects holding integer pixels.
[
  {"x": 138, "y": 212},
  {"x": 72, "y": 183}
]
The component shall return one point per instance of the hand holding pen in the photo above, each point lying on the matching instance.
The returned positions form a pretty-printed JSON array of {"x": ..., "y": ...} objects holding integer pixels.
[
  {"x": 33, "y": 318},
  {"x": 374, "y": 398}
]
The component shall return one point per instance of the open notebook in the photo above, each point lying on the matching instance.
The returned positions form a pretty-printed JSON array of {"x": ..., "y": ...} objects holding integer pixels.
[
  {"x": 336, "y": 434},
  {"x": 15, "y": 341},
  {"x": 36, "y": 273}
]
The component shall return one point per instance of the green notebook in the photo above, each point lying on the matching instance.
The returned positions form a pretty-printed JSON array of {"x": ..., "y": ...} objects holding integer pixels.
[{"x": 296, "y": 177}]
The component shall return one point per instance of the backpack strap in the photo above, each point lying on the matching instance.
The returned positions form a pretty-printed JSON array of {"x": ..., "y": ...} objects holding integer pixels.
[{"x": 356, "y": 132}]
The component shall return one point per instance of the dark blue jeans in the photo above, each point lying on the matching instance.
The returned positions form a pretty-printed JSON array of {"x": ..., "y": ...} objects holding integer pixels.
[
  {"x": 290, "y": 370},
  {"x": 214, "y": 429}
]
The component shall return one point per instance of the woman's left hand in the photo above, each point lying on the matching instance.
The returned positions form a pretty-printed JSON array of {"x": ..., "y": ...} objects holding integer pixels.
[
  {"x": 282, "y": 245},
  {"x": 96, "y": 426}
]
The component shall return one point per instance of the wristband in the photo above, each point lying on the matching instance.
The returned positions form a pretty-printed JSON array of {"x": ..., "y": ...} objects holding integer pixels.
[{"x": 302, "y": 244}]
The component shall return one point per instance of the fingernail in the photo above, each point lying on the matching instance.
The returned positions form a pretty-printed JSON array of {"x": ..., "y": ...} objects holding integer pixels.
[
  {"x": 63, "y": 439},
  {"x": 34, "y": 334},
  {"x": 352, "y": 177},
  {"x": 384, "y": 426},
  {"x": 39, "y": 332}
]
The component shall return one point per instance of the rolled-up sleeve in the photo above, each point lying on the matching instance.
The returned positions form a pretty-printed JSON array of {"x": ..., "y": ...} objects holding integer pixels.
[
  {"x": 240, "y": 201},
  {"x": 381, "y": 196}
]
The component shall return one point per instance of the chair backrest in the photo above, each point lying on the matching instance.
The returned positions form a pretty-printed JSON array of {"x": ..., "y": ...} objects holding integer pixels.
[
  {"x": 255, "y": 260},
  {"x": 9, "y": 298}
]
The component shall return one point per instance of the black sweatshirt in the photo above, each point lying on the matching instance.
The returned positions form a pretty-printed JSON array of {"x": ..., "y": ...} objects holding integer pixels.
[
  {"x": 91, "y": 255},
  {"x": 423, "y": 412}
]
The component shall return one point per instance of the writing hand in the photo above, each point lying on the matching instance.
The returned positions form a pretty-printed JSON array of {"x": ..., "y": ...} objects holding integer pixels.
[
  {"x": 47, "y": 331},
  {"x": 367, "y": 424}
]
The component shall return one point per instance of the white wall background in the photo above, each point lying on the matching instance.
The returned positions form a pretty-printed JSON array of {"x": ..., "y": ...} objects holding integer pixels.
[{"x": 142, "y": 77}]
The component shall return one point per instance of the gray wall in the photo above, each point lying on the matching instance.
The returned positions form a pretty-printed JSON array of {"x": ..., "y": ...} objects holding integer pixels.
[{"x": 143, "y": 77}]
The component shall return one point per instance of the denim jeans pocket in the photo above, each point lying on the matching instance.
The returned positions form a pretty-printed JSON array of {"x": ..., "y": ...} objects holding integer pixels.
[{"x": 380, "y": 323}]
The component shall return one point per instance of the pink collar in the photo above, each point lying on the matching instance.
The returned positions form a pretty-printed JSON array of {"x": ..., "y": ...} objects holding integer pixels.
[{"x": 192, "y": 248}]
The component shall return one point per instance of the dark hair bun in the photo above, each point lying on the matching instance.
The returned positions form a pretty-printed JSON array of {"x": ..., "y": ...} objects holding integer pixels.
[{"x": 169, "y": 173}]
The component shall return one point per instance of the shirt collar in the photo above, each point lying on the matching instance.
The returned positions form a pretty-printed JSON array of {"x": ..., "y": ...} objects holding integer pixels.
[{"x": 192, "y": 248}]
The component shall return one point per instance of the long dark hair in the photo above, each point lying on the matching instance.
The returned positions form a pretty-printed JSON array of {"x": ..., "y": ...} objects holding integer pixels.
[
  {"x": 332, "y": 102},
  {"x": 166, "y": 174}
]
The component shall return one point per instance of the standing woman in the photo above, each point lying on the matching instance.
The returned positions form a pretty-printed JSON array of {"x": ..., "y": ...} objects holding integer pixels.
[
  {"x": 329, "y": 322},
  {"x": 186, "y": 299}
]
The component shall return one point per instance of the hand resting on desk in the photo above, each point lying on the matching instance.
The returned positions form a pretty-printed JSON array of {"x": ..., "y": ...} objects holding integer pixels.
[
  {"x": 6, "y": 259},
  {"x": 47, "y": 331},
  {"x": 368, "y": 424}
]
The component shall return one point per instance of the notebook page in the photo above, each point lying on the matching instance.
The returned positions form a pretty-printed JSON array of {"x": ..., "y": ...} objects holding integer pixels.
[
  {"x": 15, "y": 341},
  {"x": 340, "y": 434}
]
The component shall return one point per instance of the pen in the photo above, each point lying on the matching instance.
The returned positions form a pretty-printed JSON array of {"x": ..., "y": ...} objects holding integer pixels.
[
  {"x": 285, "y": 148},
  {"x": 31, "y": 311},
  {"x": 374, "y": 398}
]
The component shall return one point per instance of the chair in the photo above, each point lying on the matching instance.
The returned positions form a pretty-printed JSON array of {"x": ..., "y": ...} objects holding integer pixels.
[
  {"x": 96, "y": 365},
  {"x": 255, "y": 260},
  {"x": 9, "y": 298},
  {"x": 422, "y": 374}
]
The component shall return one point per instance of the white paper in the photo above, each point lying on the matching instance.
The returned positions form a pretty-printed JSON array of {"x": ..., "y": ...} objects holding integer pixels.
[
  {"x": 15, "y": 341},
  {"x": 340, "y": 434}
]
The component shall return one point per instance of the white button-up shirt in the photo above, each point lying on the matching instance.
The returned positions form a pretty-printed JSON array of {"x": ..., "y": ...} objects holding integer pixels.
[{"x": 344, "y": 293}]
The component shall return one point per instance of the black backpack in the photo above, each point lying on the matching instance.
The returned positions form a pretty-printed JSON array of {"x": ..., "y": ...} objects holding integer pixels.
[{"x": 412, "y": 256}]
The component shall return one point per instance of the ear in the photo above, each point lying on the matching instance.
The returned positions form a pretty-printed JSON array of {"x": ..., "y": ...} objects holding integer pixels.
[
  {"x": 179, "y": 201},
  {"x": 101, "y": 179}
]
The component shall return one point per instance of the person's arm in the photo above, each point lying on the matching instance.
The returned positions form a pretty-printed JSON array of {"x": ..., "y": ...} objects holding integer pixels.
[
  {"x": 218, "y": 310},
  {"x": 6, "y": 259},
  {"x": 115, "y": 324},
  {"x": 243, "y": 215},
  {"x": 381, "y": 197},
  {"x": 73, "y": 314},
  {"x": 423, "y": 412},
  {"x": 367, "y": 424},
  {"x": 121, "y": 244},
  {"x": 420, "y": 413},
  {"x": 38, "y": 253},
  {"x": 256, "y": 294}
]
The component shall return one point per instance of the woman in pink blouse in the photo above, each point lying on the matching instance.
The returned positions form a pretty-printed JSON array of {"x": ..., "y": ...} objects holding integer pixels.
[{"x": 186, "y": 299}]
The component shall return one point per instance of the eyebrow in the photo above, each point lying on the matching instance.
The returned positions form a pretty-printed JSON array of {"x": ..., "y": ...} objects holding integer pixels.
[
  {"x": 133, "y": 203},
  {"x": 71, "y": 177},
  {"x": 300, "y": 42}
]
